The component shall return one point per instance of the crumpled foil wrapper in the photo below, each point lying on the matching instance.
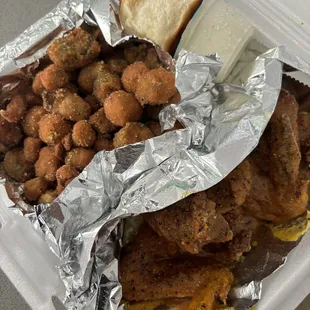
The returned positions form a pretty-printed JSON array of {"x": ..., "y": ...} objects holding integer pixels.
[{"x": 224, "y": 123}]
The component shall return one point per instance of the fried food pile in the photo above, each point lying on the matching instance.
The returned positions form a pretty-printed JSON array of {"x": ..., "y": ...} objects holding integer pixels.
[
  {"x": 84, "y": 99},
  {"x": 189, "y": 250}
]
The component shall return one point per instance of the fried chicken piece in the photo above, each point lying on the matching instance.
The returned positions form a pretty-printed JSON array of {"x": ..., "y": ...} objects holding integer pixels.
[
  {"x": 54, "y": 77},
  {"x": 76, "y": 50},
  {"x": 233, "y": 190},
  {"x": 191, "y": 223},
  {"x": 156, "y": 87},
  {"x": 121, "y": 108},
  {"x": 15, "y": 110},
  {"x": 131, "y": 134}
]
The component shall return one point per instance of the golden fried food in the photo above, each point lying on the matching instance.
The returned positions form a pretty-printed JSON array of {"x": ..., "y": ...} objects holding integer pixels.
[
  {"x": 47, "y": 164},
  {"x": 53, "y": 128},
  {"x": 48, "y": 197},
  {"x": 16, "y": 166},
  {"x": 175, "y": 99},
  {"x": 100, "y": 122},
  {"x": 304, "y": 130},
  {"x": 37, "y": 85},
  {"x": 67, "y": 142},
  {"x": 59, "y": 189},
  {"x": 66, "y": 174},
  {"x": 105, "y": 84},
  {"x": 54, "y": 77},
  {"x": 83, "y": 134},
  {"x": 103, "y": 144},
  {"x": 191, "y": 223},
  {"x": 131, "y": 134},
  {"x": 32, "y": 147},
  {"x": 79, "y": 157},
  {"x": 156, "y": 87},
  {"x": 117, "y": 64},
  {"x": 76, "y": 50},
  {"x": 11, "y": 134},
  {"x": 15, "y": 110},
  {"x": 122, "y": 107},
  {"x": 234, "y": 189},
  {"x": 93, "y": 102},
  {"x": 132, "y": 75},
  {"x": 155, "y": 127},
  {"x": 34, "y": 188},
  {"x": 31, "y": 121},
  {"x": 60, "y": 151},
  {"x": 89, "y": 74}
]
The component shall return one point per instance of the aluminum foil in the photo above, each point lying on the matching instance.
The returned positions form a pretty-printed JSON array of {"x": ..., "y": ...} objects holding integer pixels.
[{"x": 224, "y": 123}]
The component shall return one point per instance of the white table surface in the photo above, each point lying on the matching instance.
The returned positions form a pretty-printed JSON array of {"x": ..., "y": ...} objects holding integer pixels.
[{"x": 16, "y": 16}]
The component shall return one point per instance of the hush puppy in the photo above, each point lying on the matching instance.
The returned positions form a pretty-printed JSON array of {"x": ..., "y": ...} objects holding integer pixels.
[
  {"x": 88, "y": 76},
  {"x": 83, "y": 134},
  {"x": 76, "y": 50},
  {"x": 15, "y": 110},
  {"x": 10, "y": 134},
  {"x": 100, "y": 122},
  {"x": 132, "y": 74},
  {"x": 66, "y": 174},
  {"x": 47, "y": 164},
  {"x": 106, "y": 83},
  {"x": 54, "y": 77},
  {"x": 17, "y": 167},
  {"x": 34, "y": 188},
  {"x": 132, "y": 133},
  {"x": 53, "y": 128},
  {"x": 156, "y": 87},
  {"x": 32, "y": 147},
  {"x": 79, "y": 157},
  {"x": 122, "y": 107},
  {"x": 103, "y": 144},
  {"x": 31, "y": 121}
]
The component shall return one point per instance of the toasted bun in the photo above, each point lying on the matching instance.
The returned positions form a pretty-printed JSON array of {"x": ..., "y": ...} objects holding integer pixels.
[{"x": 161, "y": 21}]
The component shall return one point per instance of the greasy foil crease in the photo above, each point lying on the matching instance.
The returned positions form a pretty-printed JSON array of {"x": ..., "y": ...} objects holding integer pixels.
[{"x": 224, "y": 123}]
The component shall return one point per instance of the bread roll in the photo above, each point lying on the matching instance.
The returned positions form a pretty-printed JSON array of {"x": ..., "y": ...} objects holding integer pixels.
[{"x": 161, "y": 21}]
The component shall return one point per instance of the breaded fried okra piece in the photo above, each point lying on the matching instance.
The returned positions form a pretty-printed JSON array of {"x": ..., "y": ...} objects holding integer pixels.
[
  {"x": 117, "y": 64},
  {"x": 103, "y": 144},
  {"x": 100, "y": 122},
  {"x": 37, "y": 85},
  {"x": 10, "y": 134},
  {"x": 48, "y": 197},
  {"x": 79, "y": 157},
  {"x": 47, "y": 164},
  {"x": 89, "y": 74},
  {"x": 31, "y": 121},
  {"x": 16, "y": 166},
  {"x": 33, "y": 99},
  {"x": 83, "y": 134},
  {"x": 34, "y": 188},
  {"x": 32, "y": 147},
  {"x": 53, "y": 128},
  {"x": 15, "y": 110},
  {"x": 132, "y": 75},
  {"x": 93, "y": 102},
  {"x": 76, "y": 50},
  {"x": 66, "y": 174},
  {"x": 122, "y": 107},
  {"x": 156, "y": 87},
  {"x": 54, "y": 77},
  {"x": 132, "y": 133}
]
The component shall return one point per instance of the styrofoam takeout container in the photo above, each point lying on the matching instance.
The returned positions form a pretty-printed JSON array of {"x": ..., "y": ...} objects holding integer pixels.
[{"x": 27, "y": 261}]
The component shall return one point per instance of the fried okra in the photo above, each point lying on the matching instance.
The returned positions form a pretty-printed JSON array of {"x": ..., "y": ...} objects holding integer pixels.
[
  {"x": 33, "y": 99},
  {"x": 32, "y": 147},
  {"x": 132, "y": 75},
  {"x": 16, "y": 166},
  {"x": 11, "y": 134},
  {"x": 79, "y": 157},
  {"x": 34, "y": 188},
  {"x": 53, "y": 128},
  {"x": 156, "y": 87},
  {"x": 67, "y": 142},
  {"x": 105, "y": 84},
  {"x": 31, "y": 121},
  {"x": 89, "y": 74},
  {"x": 47, "y": 164},
  {"x": 122, "y": 107},
  {"x": 103, "y": 144},
  {"x": 76, "y": 50},
  {"x": 100, "y": 122},
  {"x": 66, "y": 174},
  {"x": 15, "y": 110},
  {"x": 83, "y": 134},
  {"x": 54, "y": 77},
  {"x": 37, "y": 85},
  {"x": 93, "y": 102},
  {"x": 48, "y": 197},
  {"x": 132, "y": 133},
  {"x": 117, "y": 64}
]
